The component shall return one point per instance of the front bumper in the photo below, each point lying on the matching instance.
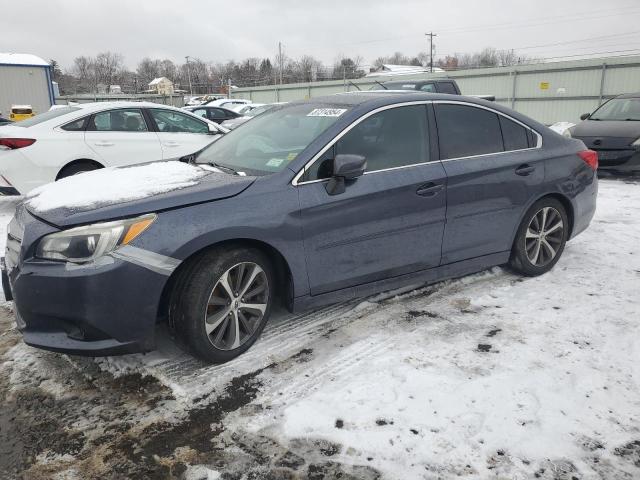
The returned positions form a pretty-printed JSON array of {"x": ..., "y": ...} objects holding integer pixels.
[
  {"x": 103, "y": 309},
  {"x": 106, "y": 308}
]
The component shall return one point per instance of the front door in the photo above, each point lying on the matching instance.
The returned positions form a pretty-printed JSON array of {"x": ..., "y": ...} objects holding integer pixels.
[
  {"x": 180, "y": 134},
  {"x": 386, "y": 223}
]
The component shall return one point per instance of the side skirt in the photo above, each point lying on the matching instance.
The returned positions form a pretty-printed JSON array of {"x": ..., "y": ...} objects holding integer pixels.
[{"x": 432, "y": 275}]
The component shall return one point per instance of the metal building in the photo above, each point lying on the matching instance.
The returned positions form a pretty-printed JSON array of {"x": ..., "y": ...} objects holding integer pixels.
[{"x": 25, "y": 80}]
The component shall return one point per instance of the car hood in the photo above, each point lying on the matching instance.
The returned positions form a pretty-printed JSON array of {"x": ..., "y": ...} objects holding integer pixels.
[
  {"x": 112, "y": 193},
  {"x": 606, "y": 128}
]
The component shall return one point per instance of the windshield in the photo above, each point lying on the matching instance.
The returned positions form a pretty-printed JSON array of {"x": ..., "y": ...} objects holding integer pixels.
[
  {"x": 271, "y": 141},
  {"x": 43, "y": 117},
  {"x": 618, "y": 109}
]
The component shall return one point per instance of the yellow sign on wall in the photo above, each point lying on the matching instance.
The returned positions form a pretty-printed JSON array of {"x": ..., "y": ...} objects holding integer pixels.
[{"x": 544, "y": 85}]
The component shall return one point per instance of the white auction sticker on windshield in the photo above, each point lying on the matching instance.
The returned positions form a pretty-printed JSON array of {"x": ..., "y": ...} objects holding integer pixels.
[
  {"x": 326, "y": 112},
  {"x": 275, "y": 162}
]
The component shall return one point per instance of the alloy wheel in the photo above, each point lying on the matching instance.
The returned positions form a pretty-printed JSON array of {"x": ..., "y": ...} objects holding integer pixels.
[
  {"x": 544, "y": 236},
  {"x": 237, "y": 305}
]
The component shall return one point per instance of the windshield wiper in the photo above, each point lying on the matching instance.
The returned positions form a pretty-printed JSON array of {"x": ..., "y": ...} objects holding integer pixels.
[
  {"x": 223, "y": 167},
  {"x": 632, "y": 119}
]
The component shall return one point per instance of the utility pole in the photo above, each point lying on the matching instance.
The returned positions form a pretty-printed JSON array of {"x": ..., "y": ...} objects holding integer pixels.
[
  {"x": 280, "y": 59},
  {"x": 229, "y": 88},
  {"x": 189, "y": 75},
  {"x": 431, "y": 35}
]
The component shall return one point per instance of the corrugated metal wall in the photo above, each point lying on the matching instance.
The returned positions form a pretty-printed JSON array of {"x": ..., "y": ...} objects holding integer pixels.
[
  {"x": 548, "y": 92},
  {"x": 24, "y": 85}
]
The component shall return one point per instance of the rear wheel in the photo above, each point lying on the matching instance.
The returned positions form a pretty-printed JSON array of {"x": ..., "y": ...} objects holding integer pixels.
[
  {"x": 541, "y": 238},
  {"x": 222, "y": 303},
  {"x": 76, "y": 168}
]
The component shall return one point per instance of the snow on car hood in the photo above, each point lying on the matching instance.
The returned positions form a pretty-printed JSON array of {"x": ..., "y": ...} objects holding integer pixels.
[{"x": 118, "y": 192}]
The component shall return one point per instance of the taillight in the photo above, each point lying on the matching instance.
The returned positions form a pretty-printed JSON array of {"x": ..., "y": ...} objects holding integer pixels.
[
  {"x": 14, "y": 143},
  {"x": 590, "y": 158}
]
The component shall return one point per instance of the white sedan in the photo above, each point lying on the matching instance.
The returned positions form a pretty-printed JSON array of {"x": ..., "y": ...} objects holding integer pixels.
[{"x": 66, "y": 141}]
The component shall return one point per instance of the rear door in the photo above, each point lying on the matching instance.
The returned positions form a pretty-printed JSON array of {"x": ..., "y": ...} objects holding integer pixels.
[
  {"x": 493, "y": 168},
  {"x": 122, "y": 137},
  {"x": 389, "y": 221},
  {"x": 180, "y": 134}
]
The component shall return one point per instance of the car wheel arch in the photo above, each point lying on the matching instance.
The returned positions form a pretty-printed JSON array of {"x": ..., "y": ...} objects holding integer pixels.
[
  {"x": 284, "y": 276},
  {"x": 563, "y": 199},
  {"x": 79, "y": 161}
]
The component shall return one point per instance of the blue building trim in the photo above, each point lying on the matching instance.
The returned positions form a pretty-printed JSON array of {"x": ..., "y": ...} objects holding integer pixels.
[{"x": 52, "y": 99}]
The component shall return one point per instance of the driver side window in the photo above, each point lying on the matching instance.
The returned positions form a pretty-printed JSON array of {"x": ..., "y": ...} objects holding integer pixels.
[{"x": 396, "y": 137}]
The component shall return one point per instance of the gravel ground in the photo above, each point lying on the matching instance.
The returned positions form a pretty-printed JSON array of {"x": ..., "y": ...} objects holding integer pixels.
[{"x": 489, "y": 376}]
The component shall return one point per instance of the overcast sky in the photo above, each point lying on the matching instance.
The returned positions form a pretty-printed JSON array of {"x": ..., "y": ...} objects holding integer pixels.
[{"x": 219, "y": 31}]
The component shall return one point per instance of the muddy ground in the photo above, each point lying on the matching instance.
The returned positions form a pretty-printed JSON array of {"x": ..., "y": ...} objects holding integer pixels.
[{"x": 44, "y": 434}]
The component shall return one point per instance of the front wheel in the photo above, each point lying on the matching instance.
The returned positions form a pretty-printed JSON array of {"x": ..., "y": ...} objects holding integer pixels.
[
  {"x": 541, "y": 238},
  {"x": 223, "y": 302}
]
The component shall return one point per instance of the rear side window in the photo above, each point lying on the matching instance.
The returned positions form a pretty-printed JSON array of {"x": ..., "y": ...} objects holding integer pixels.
[
  {"x": 515, "y": 136},
  {"x": 464, "y": 131},
  {"x": 447, "y": 87},
  {"x": 396, "y": 137},
  {"x": 76, "y": 126}
]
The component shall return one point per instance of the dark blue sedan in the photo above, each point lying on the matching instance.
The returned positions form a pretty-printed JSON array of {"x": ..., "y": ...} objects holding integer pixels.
[{"x": 311, "y": 203}]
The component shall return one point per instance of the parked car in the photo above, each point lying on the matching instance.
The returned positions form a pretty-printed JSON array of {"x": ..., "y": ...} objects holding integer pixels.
[
  {"x": 70, "y": 140},
  {"x": 21, "y": 112},
  {"x": 434, "y": 85},
  {"x": 227, "y": 102},
  {"x": 215, "y": 114},
  {"x": 194, "y": 101},
  {"x": 613, "y": 130},
  {"x": 312, "y": 203},
  {"x": 252, "y": 113}
]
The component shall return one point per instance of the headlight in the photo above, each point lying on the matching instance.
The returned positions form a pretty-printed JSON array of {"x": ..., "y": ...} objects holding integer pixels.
[
  {"x": 83, "y": 244},
  {"x": 636, "y": 143}
]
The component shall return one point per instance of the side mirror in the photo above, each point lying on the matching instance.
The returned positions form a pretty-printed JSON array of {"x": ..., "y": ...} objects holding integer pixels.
[
  {"x": 584, "y": 116},
  {"x": 346, "y": 167},
  {"x": 213, "y": 130}
]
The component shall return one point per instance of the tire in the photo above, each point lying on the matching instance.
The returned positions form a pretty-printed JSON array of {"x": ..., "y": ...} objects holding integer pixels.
[
  {"x": 76, "y": 168},
  {"x": 536, "y": 249},
  {"x": 206, "y": 315}
]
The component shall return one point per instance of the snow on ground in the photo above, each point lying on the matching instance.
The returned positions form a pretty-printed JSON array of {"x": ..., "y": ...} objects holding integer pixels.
[
  {"x": 112, "y": 185},
  {"x": 491, "y": 375}
]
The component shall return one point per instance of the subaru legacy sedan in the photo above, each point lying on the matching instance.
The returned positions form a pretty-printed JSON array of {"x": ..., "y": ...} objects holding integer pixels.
[{"x": 310, "y": 203}]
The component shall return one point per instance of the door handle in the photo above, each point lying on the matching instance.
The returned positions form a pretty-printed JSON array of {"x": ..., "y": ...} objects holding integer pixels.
[
  {"x": 524, "y": 170},
  {"x": 429, "y": 189},
  {"x": 171, "y": 144},
  {"x": 104, "y": 144}
]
